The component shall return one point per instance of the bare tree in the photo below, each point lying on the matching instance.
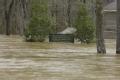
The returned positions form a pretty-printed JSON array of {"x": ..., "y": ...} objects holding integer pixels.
[
  {"x": 99, "y": 28},
  {"x": 69, "y": 13},
  {"x": 118, "y": 28},
  {"x": 15, "y": 14}
]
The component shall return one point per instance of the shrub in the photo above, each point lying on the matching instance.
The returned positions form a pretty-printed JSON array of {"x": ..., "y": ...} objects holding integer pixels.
[
  {"x": 40, "y": 24},
  {"x": 84, "y": 25}
]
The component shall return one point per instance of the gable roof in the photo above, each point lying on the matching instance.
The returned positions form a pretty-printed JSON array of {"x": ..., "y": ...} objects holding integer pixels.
[{"x": 112, "y": 7}]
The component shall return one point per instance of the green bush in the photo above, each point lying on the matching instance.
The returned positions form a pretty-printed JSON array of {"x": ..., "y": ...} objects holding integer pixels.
[
  {"x": 38, "y": 29},
  {"x": 40, "y": 24},
  {"x": 84, "y": 25}
]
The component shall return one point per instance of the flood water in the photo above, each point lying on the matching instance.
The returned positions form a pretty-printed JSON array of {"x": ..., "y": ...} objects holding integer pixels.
[{"x": 20, "y": 60}]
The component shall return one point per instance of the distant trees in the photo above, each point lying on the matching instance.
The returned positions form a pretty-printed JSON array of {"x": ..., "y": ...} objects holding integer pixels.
[
  {"x": 118, "y": 28},
  {"x": 16, "y": 14},
  {"x": 84, "y": 25},
  {"x": 99, "y": 28},
  {"x": 58, "y": 9}
]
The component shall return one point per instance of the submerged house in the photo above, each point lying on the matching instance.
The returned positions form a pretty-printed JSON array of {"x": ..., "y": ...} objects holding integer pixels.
[{"x": 109, "y": 21}]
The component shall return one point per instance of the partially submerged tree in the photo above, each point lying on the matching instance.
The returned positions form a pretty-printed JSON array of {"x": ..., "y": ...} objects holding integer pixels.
[
  {"x": 118, "y": 28},
  {"x": 99, "y": 28}
]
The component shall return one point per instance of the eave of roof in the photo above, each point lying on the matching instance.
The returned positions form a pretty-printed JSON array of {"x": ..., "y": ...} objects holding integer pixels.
[
  {"x": 112, "y": 7},
  {"x": 110, "y": 10}
]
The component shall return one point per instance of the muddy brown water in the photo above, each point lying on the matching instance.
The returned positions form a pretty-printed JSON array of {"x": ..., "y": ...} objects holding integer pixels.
[{"x": 20, "y": 60}]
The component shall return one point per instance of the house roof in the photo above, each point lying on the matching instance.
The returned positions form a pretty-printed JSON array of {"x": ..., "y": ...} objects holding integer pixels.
[
  {"x": 112, "y": 7},
  {"x": 68, "y": 30}
]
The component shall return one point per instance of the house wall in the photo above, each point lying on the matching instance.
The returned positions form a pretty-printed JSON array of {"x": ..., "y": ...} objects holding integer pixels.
[{"x": 109, "y": 25}]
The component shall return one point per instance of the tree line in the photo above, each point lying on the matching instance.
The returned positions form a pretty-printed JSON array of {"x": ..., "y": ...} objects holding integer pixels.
[{"x": 16, "y": 15}]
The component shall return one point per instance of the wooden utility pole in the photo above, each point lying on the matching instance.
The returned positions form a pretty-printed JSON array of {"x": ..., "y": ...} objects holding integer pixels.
[
  {"x": 118, "y": 28},
  {"x": 99, "y": 27}
]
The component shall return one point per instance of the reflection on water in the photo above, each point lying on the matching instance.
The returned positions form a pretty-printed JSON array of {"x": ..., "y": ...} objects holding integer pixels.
[{"x": 56, "y": 61}]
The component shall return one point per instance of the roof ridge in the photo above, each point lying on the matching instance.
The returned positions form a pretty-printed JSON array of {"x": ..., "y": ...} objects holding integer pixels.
[
  {"x": 111, "y": 7},
  {"x": 110, "y": 2}
]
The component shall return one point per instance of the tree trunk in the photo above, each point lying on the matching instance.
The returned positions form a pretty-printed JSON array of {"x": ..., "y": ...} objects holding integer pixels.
[
  {"x": 69, "y": 13},
  {"x": 99, "y": 28},
  {"x": 15, "y": 16},
  {"x": 118, "y": 28}
]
